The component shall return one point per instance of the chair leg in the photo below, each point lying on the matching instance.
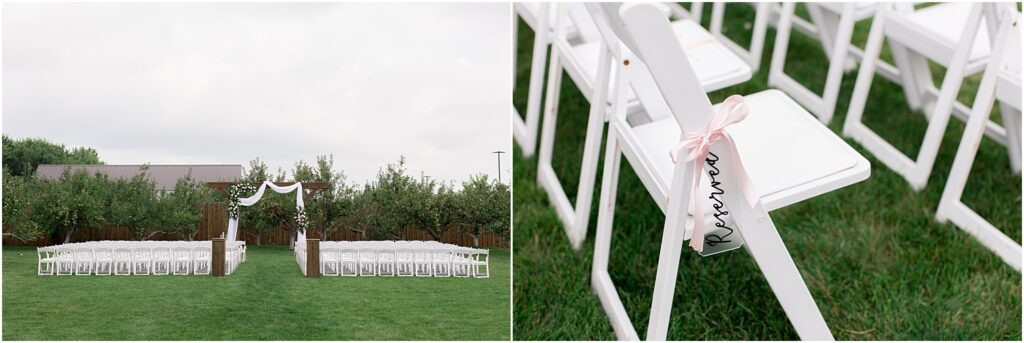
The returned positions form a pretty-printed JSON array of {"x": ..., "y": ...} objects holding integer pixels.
[
  {"x": 768, "y": 250},
  {"x": 668, "y": 261},
  {"x": 526, "y": 132},
  {"x": 600, "y": 281},
  {"x": 1012, "y": 123},
  {"x": 916, "y": 171}
]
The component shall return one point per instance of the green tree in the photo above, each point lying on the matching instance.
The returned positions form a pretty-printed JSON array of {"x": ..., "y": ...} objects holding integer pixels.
[
  {"x": 183, "y": 208},
  {"x": 18, "y": 195},
  {"x": 133, "y": 204},
  {"x": 74, "y": 201},
  {"x": 392, "y": 195},
  {"x": 444, "y": 211},
  {"x": 474, "y": 205},
  {"x": 22, "y": 156}
]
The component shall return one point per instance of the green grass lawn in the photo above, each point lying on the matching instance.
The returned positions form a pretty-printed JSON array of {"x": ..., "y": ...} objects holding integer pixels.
[
  {"x": 877, "y": 263},
  {"x": 267, "y": 298}
]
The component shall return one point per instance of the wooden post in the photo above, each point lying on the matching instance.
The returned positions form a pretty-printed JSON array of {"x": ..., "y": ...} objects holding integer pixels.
[
  {"x": 312, "y": 257},
  {"x": 217, "y": 258}
]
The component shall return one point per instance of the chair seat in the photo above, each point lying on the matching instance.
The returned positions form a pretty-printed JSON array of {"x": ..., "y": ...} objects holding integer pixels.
[
  {"x": 788, "y": 154},
  {"x": 716, "y": 66},
  {"x": 942, "y": 24}
]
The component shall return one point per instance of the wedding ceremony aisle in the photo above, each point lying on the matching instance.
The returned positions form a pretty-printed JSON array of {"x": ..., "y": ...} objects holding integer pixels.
[{"x": 266, "y": 298}]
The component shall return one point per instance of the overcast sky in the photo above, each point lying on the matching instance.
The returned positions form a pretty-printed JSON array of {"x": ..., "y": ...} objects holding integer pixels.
[{"x": 226, "y": 83}]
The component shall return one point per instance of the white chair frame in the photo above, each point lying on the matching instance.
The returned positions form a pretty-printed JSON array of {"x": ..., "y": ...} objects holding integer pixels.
[
  {"x": 919, "y": 87},
  {"x": 201, "y": 261},
  {"x": 480, "y": 263},
  {"x": 752, "y": 54},
  {"x": 424, "y": 265},
  {"x": 47, "y": 262},
  {"x": 834, "y": 25},
  {"x": 386, "y": 265},
  {"x": 405, "y": 262},
  {"x": 65, "y": 259},
  {"x": 122, "y": 261},
  {"x": 85, "y": 261},
  {"x": 103, "y": 261},
  {"x": 761, "y": 237},
  {"x": 575, "y": 217},
  {"x": 367, "y": 262},
  {"x": 525, "y": 131},
  {"x": 161, "y": 260},
  {"x": 995, "y": 84},
  {"x": 181, "y": 261}
]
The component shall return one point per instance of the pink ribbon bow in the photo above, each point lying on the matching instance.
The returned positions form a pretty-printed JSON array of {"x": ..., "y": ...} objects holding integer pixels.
[{"x": 697, "y": 147}]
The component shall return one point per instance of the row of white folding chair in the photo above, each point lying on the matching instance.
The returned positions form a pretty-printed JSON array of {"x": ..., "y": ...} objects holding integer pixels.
[
  {"x": 788, "y": 155},
  {"x": 404, "y": 262},
  {"x": 1001, "y": 81},
  {"x": 585, "y": 61},
  {"x": 954, "y": 35},
  {"x": 124, "y": 261},
  {"x": 47, "y": 260}
]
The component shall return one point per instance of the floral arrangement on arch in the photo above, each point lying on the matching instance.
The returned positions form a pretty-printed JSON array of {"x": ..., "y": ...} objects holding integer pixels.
[
  {"x": 234, "y": 193},
  {"x": 300, "y": 218}
]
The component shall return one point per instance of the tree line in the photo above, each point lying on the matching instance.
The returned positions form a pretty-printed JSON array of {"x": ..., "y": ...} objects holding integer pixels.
[{"x": 380, "y": 209}]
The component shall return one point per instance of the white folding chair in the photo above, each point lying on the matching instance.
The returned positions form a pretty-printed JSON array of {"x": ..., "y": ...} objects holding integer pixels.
[
  {"x": 442, "y": 261},
  {"x": 104, "y": 261},
  {"x": 951, "y": 34},
  {"x": 181, "y": 259},
  {"x": 386, "y": 262},
  {"x": 47, "y": 262},
  {"x": 834, "y": 24},
  {"x": 586, "y": 60},
  {"x": 423, "y": 263},
  {"x": 142, "y": 261},
  {"x": 122, "y": 261},
  {"x": 405, "y": 262},
  {"x": 349, "y": 265},
  {"x": 65, "y": 258},
  {"x": 480, "y": 263},
  {"x": 787, "y": 154},
  {"x": 1001, "y": 81},
  {"x": 367, "y": 262},
  {"x": 84, "y": 261},
  {"x": 330, "y": 259},
  {"x": 201, "y": 261},
  {"x": 162, "y": 260},
  {"x": 461, "y": 263}
]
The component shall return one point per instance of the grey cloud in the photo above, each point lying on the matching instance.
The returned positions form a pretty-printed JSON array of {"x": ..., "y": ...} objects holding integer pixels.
[{"x": 225, "y": 83}]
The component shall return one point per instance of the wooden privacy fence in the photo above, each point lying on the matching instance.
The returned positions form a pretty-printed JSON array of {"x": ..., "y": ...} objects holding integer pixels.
[{"x": 215, "y": 222}]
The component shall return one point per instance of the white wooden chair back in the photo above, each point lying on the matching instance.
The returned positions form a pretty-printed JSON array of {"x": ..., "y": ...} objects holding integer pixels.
[{"x": 652, "y": 40}]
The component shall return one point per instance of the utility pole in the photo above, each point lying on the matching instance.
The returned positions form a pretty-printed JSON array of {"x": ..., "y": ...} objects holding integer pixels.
[{"x": 499, "y": 152}]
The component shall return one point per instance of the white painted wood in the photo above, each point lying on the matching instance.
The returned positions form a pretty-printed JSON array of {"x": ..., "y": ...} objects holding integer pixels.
[
  {"x": 951, "y": 208},
  {"x": 915, "y": 37},
  {"x": 835, "y": 22},
  {"x": 587, "y": 60},
  {"x": 764, "y": 146},
  {"x": 752, "y": 54},
  {"x": 537, "y": 17}
]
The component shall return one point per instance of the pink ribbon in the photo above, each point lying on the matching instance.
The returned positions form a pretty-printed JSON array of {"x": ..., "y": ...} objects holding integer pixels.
[{"x": 697, "y": 147}]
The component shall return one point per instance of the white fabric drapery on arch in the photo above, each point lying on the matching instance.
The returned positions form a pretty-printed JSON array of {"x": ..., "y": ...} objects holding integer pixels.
[{"x": 252, "y": 200}]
